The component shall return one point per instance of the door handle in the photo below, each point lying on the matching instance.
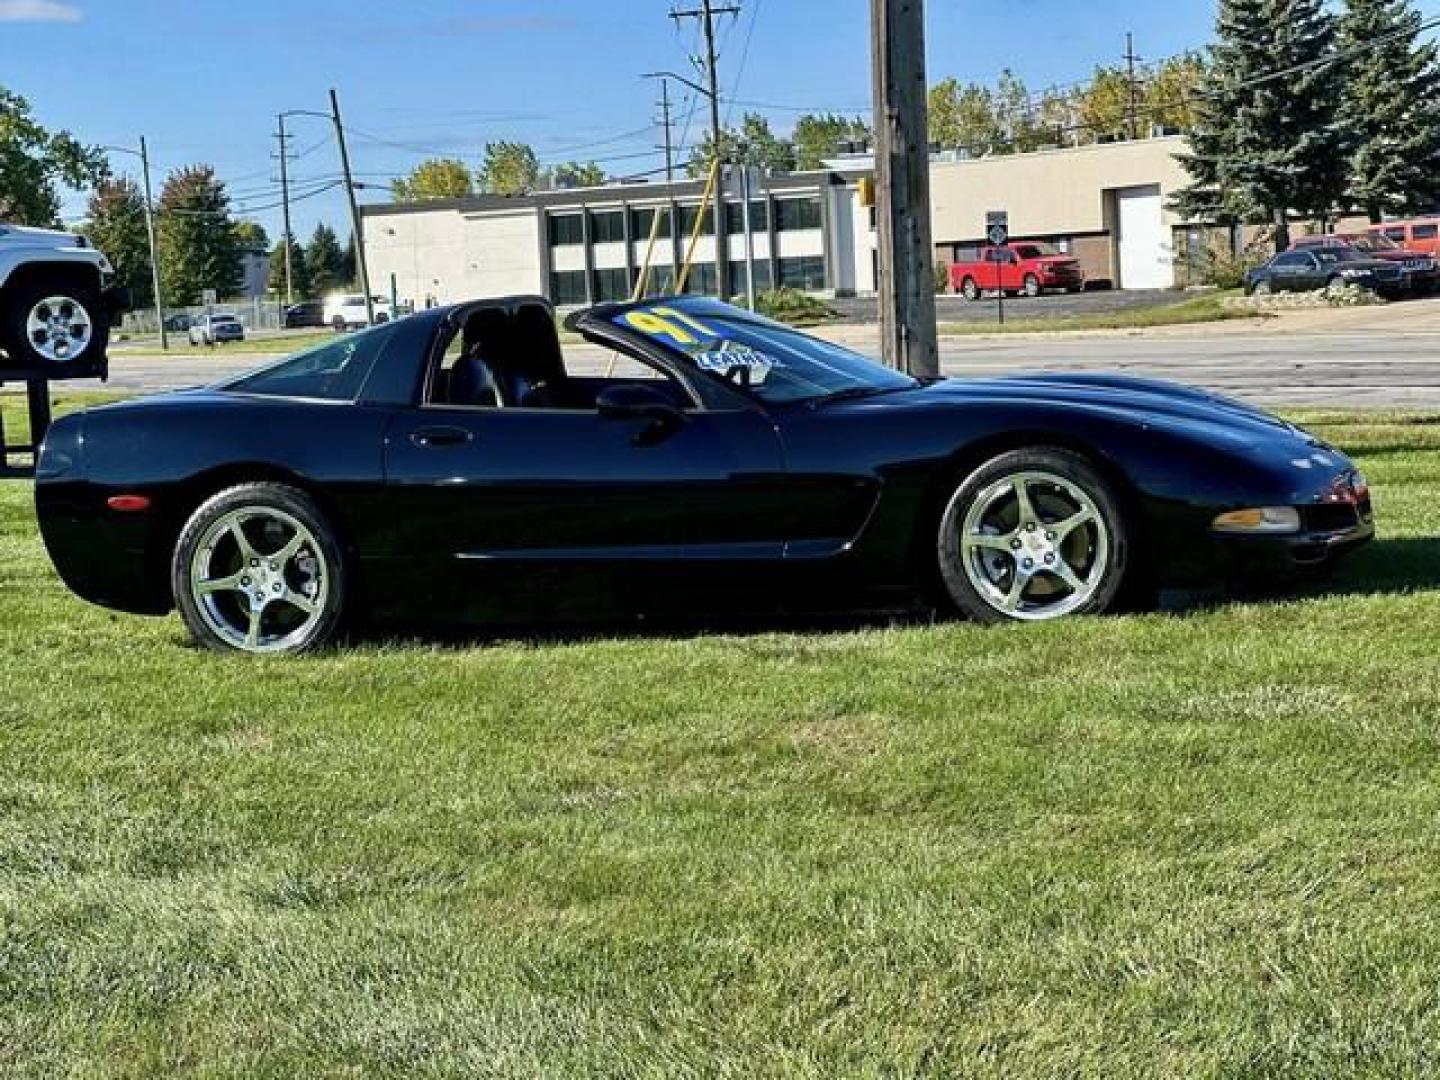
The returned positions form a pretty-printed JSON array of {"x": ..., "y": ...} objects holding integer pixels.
[{"x": 432, "y": 437}]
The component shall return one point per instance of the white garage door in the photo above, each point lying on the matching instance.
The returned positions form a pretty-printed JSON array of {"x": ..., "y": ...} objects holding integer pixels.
[{"x": 1144, "y": 252}]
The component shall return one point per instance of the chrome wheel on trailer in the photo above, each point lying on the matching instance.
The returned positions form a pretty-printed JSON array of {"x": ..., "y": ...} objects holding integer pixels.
[
  {"x": 59, "y": 329},
  {"x": 260, "y": 580}
]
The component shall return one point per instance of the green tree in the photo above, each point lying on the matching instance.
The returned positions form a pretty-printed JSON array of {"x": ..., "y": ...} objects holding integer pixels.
[
  {"x": 1263, "y": 146},
  {"x": 1391, "y": 108},
  {"x": 965, "y": 117},
  {"x": 1172, "y": 92},
  {"x": 117, "y": 227},
  {"x": 819, "y": 136},
  {"x": 575, "y": 174},
  {"x": 300, "y": 271},
  {"x": 34, "y": 162},
  {"x": 438, "y": 178},
  {"x": 251, "y": 236},
  {"x": 509, "y": 168},
  {"x": 198, "y": 246},
  {"x": 753, "y": 144},
  {"x": 325, "y": 262},
  {"x": 1103, "y": 105},
  {"x": 1019, "y": 115}
]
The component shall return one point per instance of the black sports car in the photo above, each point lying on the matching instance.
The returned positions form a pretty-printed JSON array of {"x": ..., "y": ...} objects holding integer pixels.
[{"x": 452, "y": 467}]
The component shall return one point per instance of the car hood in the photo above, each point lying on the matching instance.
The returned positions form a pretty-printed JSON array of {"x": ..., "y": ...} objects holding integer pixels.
[{"x": 1145, "y": 402}]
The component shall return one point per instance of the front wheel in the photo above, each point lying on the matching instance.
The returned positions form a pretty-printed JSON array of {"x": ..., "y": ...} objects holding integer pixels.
[
  {"x": 53, "y": 323},
  {"x": 970, "y": 290},
  {"x": 1032, "y": 286},
  {"x": 259, "y": 569},
  {"x": 1033, "y": 535}
]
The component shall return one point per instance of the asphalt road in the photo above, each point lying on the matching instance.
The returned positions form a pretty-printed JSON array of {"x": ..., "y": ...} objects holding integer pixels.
[
  {"x": 1392, "y": 362},
  {"x": 956, "y": 309}
]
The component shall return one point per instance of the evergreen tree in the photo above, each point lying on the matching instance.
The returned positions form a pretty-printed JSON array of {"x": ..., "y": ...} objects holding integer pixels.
[
  {"x": 198, "y": 246},
  {"x": 1267, "y": 143},
  {"x": 117, "y": 227},
  {"x": 1391, "y": 108},
  {"x": 299, "y": 271},
  {"x": 324, "y": 261}
]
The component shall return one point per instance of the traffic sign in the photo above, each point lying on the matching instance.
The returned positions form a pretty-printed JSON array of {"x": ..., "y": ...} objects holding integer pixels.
[{"x": 997, "y": 227}]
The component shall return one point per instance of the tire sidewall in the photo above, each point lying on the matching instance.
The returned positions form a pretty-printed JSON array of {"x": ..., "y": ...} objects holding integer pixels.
[
  {"x": 15, "y": 306},
  {"x": 261, "y": 495},
  {"x": 955, "y": 582}
]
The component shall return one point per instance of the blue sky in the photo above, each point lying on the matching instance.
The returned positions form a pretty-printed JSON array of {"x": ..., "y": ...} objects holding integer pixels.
[{"x": 203, "y": 80}]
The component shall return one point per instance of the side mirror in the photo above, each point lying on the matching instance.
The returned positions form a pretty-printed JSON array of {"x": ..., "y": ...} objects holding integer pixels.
[{"x": 637, "y": 402}]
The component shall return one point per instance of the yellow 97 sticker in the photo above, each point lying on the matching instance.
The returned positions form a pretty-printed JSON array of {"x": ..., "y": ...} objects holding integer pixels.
[{"x": 665, "y": 322}]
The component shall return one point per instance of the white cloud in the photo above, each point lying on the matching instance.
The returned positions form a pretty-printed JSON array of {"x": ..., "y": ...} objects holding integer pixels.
[{"x": 38, "y": 11}]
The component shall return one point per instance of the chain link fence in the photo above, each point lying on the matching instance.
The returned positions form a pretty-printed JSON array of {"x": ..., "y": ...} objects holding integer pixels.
[{"x": 254, "y": 314}]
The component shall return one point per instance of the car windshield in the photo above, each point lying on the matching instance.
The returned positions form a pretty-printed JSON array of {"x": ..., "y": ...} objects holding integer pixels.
[
  {"x": 332, "y": 371},
  {"x": 1330, "y": 256},
  {"x": 222, "y": 318},
  {"x": 773, "y": 362}
]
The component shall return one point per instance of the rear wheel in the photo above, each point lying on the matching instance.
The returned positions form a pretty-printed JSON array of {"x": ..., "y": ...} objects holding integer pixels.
[
  {"x": 259, "y": 569},
  {"x": 338, "y": 324},
  {"x": 969, "y": 289},
  {"x": 53, "y": 322},
  {"x": 1033, "y": 535}
]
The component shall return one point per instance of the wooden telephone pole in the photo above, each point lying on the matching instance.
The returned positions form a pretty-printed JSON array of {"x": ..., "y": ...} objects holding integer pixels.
[{"x": 902, "y": 182}]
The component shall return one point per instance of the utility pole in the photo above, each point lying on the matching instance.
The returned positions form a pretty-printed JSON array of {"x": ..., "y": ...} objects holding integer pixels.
[
  {"x": 1131, "y": 60},
  {"x": 285, "y": 202},
  {"x": 154, "y": 252},
  {"x": 670, "y": 180},
  {"x": 354, "y": 208},
  {"x": 706, "y": 14},
  {"x": 902, "y": 183}
]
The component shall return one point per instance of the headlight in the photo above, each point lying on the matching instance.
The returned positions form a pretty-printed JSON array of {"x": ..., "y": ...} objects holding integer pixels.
[{"x": 1260, "y": 520}]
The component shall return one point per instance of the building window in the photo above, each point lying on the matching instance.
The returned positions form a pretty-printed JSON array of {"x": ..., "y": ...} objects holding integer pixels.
[
  {"x": 660, "y": 282},
  {"x": 688, "y": 215},
  {"x": 641, "y": 222},
  {"x": 737, "y": 276},
  {"x": 807, "y": 272},
  {"x": 567, "y": 288},
  {"x": 612, "y": 284},
  {"x": 607, "y": 227},
  {"x": 566, "y": 229},
  {"x": 735, "y": 217},
  {"x": 792, "y": 215},
  {"x": 702, "y": 280}
]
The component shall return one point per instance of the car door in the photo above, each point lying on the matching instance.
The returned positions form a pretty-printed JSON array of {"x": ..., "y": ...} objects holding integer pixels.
[{"x": 514, "y": 513}]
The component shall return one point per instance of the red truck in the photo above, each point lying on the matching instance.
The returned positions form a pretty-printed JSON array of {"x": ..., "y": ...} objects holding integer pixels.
[{"x": 1028, "y": 268}]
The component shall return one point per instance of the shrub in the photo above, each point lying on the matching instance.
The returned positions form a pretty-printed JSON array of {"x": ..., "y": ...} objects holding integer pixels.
[{"x": 794, "y": 307}]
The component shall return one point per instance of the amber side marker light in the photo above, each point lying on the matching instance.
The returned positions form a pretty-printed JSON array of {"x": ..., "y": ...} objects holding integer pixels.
[
  {"x": 1259, "y": 520},
  {"x": 128, "y": 504}
]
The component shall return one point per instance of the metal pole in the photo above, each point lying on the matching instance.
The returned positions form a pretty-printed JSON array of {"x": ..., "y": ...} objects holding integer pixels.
[
  {"x": 670, "y": 183},
  {"x": 285, "y": 202},
  {"x": 354, "y": 209},
  {"x": 722, "y": 240},
  {"x": 749, "y": 237},
  {"x": 1130, "y": 59},
  {"x": 154, "y": 253},
  {"x": 902, "y": 174}
]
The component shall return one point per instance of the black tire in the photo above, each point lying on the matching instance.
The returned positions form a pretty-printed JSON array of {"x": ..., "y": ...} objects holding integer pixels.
[
  {"x": 17, "y": 305},
  {"x": 1032, "y": 286},
  {"x": 1261, "y": 288},
  {"x": 270, "y": 507},
  {"x": 337, "y": 324},
  {"x": 1106, "y": 543},
  {"x": 970, "y": 290}
]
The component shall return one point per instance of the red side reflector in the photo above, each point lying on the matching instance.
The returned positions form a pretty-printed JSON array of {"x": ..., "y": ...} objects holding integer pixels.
[{"x": 128, "y": 504}]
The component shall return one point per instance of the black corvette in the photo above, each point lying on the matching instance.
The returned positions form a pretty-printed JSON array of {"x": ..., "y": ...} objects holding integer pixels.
[{"x": 450, "y": 467}]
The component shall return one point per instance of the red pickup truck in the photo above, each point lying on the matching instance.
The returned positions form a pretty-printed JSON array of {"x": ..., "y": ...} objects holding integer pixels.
[{"x": 1027, "y": 268}]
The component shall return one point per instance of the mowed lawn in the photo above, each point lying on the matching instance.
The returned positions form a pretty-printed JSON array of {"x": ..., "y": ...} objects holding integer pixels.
[{"x": 1188, "y": 845}]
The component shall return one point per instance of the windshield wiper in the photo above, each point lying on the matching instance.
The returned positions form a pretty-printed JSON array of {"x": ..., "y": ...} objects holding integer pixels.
[{"x": 854, "y": 392}]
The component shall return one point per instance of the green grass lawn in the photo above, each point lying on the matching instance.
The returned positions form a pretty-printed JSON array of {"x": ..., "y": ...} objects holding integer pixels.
[
  {"x": 1171, "y": 845},
  {"x": 1208, "y": 307}
]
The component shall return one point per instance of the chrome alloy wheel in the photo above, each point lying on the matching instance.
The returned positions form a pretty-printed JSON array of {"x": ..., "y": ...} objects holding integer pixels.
[
  {"x": 59, "y": 328},
  {"x": 259, "y": 580},
  {"x": 1035, "y": 546}
]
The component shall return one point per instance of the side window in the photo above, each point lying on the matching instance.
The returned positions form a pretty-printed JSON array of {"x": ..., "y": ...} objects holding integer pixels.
[
  {"x": 335, "y": 371},
  {"x": 463, "y": 379},
  {"x": 1396, "y": 233},
  {"x": 1292, "y": 259},
  {"x": 1425, "y": 232}
]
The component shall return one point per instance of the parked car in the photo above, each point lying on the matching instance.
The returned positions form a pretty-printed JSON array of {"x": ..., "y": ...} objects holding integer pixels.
[
  {"x": 452, "y": 468},
  {"x": 1027, "y": 268},
  {"x": 346, "y": 311},
  {"x": 1311, "y": 270},
  {"x": 57, "y": 304},
  {"x": 1421, "y": 234},
  {"x": 216, "y": 330},
  {"x": 177, "y": 323},
  {"x": 1422, "y": 273},
  {"x": 307, "y": 313}
]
